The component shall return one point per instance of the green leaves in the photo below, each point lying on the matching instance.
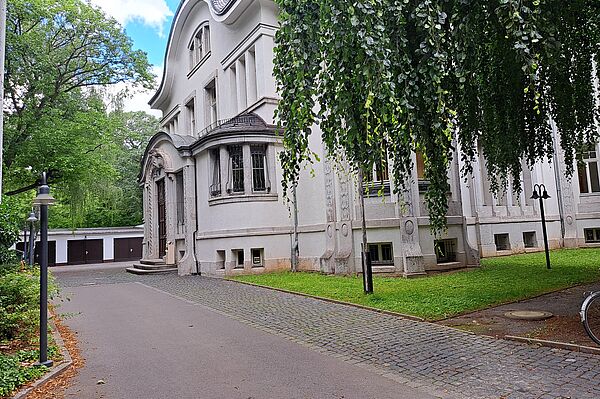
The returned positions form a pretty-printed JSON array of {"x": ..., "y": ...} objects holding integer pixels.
[
  {"x": 60, "y": 56},
  {"x": 394, "y": 76}
]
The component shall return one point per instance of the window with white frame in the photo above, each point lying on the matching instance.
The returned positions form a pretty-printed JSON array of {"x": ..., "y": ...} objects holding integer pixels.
[
  {"x": 191, "y": 116},
  {"x": 592, "y": 235},
  {"x": 247, "y": 170},
  {"x": 381, "y": 254},
  {"x": 589, "y": 181},
  {"x": 259, "y": 176},
  {"x": 211, "y": 103},
  {"x": 199, "y": 46}
]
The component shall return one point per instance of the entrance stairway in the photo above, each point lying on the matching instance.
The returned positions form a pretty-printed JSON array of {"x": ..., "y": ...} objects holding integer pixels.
[{"x": 152, "y": 266}]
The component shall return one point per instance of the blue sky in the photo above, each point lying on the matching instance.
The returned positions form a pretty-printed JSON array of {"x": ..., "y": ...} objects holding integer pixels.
[
  {"x": 150, "y": 38},
  {"x": 148, "y": 23}
]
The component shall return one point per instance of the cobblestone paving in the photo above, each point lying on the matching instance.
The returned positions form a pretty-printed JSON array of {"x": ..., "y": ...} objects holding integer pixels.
[{"x": 436, "y": 359}]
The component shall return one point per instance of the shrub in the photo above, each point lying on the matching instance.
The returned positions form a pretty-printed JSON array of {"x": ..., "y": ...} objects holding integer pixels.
[
  {"x": 16, "y": 370},
  {"x": 19, "y": 302}
]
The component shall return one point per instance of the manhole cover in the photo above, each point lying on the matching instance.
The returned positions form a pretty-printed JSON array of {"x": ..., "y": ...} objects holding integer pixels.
[{"x": 528, "y": 315}]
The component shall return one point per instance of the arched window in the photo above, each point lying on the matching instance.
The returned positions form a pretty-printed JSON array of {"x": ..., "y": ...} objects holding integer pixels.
[{"x": 199, "y": 46}]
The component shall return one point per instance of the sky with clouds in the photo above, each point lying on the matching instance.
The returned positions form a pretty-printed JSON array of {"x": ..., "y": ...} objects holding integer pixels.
[{"x": 147, "y": 22}]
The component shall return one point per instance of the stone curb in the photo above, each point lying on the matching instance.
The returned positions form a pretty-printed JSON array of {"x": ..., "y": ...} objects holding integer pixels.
[
  {"x": 336, "y": 301},
  {"x": 555, "y": 344},
  {"x": 54, "y": 371}
]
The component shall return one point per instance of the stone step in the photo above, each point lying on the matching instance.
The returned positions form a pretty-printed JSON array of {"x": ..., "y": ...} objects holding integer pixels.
[
  {"x": 444, "y": 267},
  {"x": 383, "y": 269},
  {"x": 152, "y": 261},
  {"x": 135, "y": 270},
  {"x": 142, "y": 266}
]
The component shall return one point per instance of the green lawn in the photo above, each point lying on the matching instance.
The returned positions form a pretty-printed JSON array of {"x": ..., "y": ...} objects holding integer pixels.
[{"x": 499, "y": 280}]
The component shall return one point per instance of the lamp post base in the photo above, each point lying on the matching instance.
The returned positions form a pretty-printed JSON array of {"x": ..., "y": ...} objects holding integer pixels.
[{"x": 47, "y": 363}]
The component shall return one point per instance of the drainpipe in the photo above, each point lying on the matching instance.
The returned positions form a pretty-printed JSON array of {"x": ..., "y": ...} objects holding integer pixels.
[{"x": 196, "y": 212}]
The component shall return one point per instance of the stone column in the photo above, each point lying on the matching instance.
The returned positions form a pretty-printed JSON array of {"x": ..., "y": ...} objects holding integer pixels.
[
  {"x": 171, "y": 214},
  {"x": 344, "y": 257},
  {"x": 147, "y": 220},
  {"x": 566, "y": 198},
  {"x": 265, "y": 82},
  {"x": 327, "y": 259},
  {"x": 247, "y": 169},
  {"x": 224, "y": 165},
  {"x": 240, "y": 83},
  {"x": 412, "y": 255},
  {"x": 187, "y": 264},
  {"x": 251, "y": 77}
]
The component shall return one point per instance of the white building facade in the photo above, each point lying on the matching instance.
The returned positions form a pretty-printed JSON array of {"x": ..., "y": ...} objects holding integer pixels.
[{"x": 213, "y": 199}]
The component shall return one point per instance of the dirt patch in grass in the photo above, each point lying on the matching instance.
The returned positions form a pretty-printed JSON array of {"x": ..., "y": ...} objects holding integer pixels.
[{"x": 565, "y": 326}]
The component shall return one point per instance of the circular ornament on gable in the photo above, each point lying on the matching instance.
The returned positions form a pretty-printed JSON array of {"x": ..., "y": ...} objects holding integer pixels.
[{"x": 570, "y": 220}]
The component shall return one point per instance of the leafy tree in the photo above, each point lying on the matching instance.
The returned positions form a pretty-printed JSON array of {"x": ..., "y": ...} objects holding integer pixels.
[
  {"x": 60, "y": 56},
  {"x": 113, "y": 198},
  {"x": 389, "y": 77},
  {"x": 56, "y": 50}
]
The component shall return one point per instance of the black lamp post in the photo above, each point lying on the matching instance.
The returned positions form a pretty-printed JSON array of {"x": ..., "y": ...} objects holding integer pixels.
[
  {"x": 539, "y": 192},
  {"x": 44, "y": 199},
  {"x": 31, "y": 251}
]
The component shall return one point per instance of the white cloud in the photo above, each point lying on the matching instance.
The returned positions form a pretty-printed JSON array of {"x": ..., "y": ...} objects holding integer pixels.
[{"x": 153, "y": 13}]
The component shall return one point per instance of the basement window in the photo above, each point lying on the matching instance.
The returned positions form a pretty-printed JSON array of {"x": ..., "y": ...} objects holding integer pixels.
[
  {"x": 445, "y": 250},
  {"x": 238, "y": 256},
  {"x": 381, "y": 254},
  {"x": 502, "y": 242},
  {"x": 529, "y": 239},
  {"x": 592, "y": 235},
  {"x": 220, "y": 259},
  {"x": 257, "y": 257}
]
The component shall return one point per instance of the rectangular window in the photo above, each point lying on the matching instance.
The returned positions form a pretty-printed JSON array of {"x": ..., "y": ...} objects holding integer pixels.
[
  {"x": 588, "y": 176},
  {"x": 239, "y": 258},
  {"x": 529, "y": 239},
  {"x": 381, "y": 254},
  {"x": 215, "y": 186},
  {"x": 592, "y": 235},
  {"x": 259, "y": 180},
  {"x": 220, "y": 260},
  {"x": 211, "y": 103},
  {"x": 199, "y": 46},
  {"x": 236, "y": 157},
  {"x": 180, "y": 198},
  {"x": 502, "y": 242},
  {"x": 191, "y": 114},
  {"x": 257, "y": 257},
  {"x": 445, "y": 250}
]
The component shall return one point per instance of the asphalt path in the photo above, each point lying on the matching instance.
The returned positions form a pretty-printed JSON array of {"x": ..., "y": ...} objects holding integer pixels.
[{"x": 145, "y": 343}]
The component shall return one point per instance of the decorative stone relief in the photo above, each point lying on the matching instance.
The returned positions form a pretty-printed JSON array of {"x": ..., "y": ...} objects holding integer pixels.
[
  {"x": 157, "y": 164},
  {"x": 327, "y": 262},
  {"x": 149, "y": 220},
  {"x": 329, "y": 191},
  {"x": 567, "y": 200}
]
